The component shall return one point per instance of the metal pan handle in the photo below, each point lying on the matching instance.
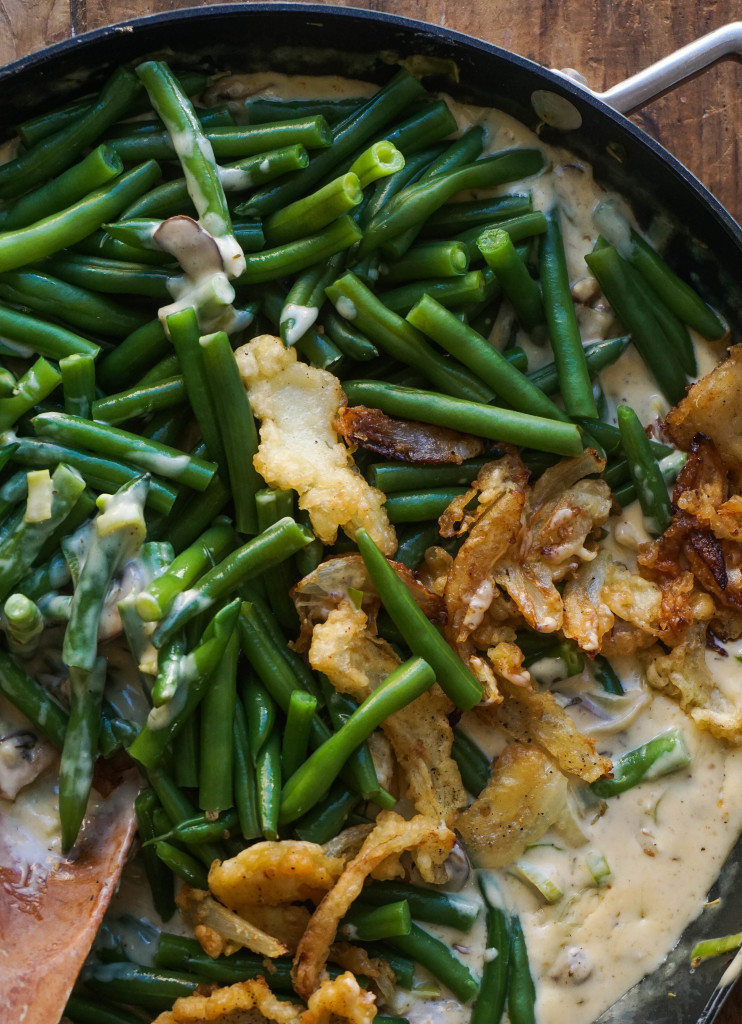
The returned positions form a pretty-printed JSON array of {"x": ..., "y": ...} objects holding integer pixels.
[{"x": 687, "y": 61}]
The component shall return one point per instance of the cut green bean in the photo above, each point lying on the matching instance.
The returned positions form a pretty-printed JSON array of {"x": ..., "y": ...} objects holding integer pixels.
[
  {"x": 182, "y": 864},
  {"x": 454, "y": 218},
  {"x": 239, "y": 436},
  {"x": 302, "y": 708},
  {"x": 260, "y": 712},
  {"x": 450, "y": 292},
  {"x": 36, "y": 384},
  {"x": 327, "y": 818},
  {"x": 217, "y": 712},
  {"x": 160, "y": 881},
  {"x": 472, "y": 762},
  {"x": 112, "y": 441},
  {"x": 564, "y": 331},
  {"x": 475, "y": 352},
  {"x": 24, "y": 693},
  {"x": 154, "y": 989},
  {"x": 421, "y": 635},
  {"x": 598, "y": 356},
  {"x": 24, "y": 334},
  {"x": 419, "y": 507},
  {"x": 499, "y": 253},
  {"x": 94, "y": 1011},
  {"x": 78, "y": 384},
  {"x": 245, "y": 783},
  {"x": 312, "y": 780},
  {"x": 663, "y": 754},
  {"x": 471, "y": 417},
  {"x": 605, "y": 674},
  {"x": 268, "y": 776},
  {"x": 443, "y": 908},
  {"x": 365, "y": 925},
  {"x": 269, "y": 548},
  {"x": 392, "y": 477},
  {"x": 80, "y": 747},
  {"x": 271, "y": 264},
  {"x": 614, "y": 277},
  {"x": 521, "y": 990},
  {"x": 438, "y": 958},
  {"x": 493, "y": 991},
  {"x": 164, "y": 723},
  {"x": 315, "y": 212},
  {"x": 645, "y": 472},
  {"x": 432, "y": 259},
  {"x": 62, "y": 229}
]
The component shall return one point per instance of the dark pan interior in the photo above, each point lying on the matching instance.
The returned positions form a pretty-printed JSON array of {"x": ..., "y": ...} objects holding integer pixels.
[{"x": 707, "y": 243}]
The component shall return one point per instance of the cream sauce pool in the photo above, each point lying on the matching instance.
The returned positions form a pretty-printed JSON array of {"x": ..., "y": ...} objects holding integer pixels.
[{"x": 665, "y": 840}]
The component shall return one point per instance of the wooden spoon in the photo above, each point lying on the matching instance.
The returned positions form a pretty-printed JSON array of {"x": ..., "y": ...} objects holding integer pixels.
[{"x": 47, "y": 924}]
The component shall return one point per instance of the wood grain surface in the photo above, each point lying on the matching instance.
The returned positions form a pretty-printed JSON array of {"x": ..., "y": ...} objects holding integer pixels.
[{"x": 607, "y": 40}]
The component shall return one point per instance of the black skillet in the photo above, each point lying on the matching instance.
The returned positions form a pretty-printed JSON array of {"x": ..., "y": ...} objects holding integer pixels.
[{"x": 706, "y": 245}]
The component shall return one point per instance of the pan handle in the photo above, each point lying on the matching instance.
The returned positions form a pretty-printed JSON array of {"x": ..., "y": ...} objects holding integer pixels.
[{"x": 687, "y": 61}]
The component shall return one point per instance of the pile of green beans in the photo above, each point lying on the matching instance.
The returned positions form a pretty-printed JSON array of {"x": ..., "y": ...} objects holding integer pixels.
[{"x": 347, "y": 228}]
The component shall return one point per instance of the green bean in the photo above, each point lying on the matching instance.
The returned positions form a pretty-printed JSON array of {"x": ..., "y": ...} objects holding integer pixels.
[
  {"x": 89, "y": 1011},
  {"x": 196, "y": 158},
  {"x": 453, "y": 218},
  {"x": 415, "y": 542},
  {"x": 471, "y": 417},
  {"x": 675, "y": 332},
  {"x": 57, "y": 152},
  {"x": 521, "y": 229},
  {"x": 312, "y": 780},
  {"x": 314, "y": 212},
  {"x": 256, "y": 556},
  {"x": 99, "y": 473},
  {"x": 437, "y": 958},
  {"x": 126, "y": 363},
  {"x": 669, "y": 467},
  {"x": 27, "y": 334},
  {"x": 268, "y": 784},
  {"x": 271, "y": 506},
  {"x": 190, "y": 516},
  {"x": 302, "y": 708},
  {"x": 392, "y": 334},
  {"x": 295, "y": 661},
  {"x": 317, "y": 350},
  {"x": 97, "y": 168},
  {"x": 80, "y": 747},
  {"x": 420, "y": 506},
  {"x": 305, "y": 297},
  {"x": 360, "y": 766},
  {"x": 20, "y": 546},
  {"x": 178, "y": 808},
  {"x": 475, "y": 352},
  {"x": 364, "y": 925},
  {"x": 292, "y": 257},
  {"x": 663, "y": 754},
  {"x": 168, "y": 668},
  {"x": 260, "y": 712},
  {"x": 645, "y": 472},
  {"x": 614, "y": 277},
  {"x": 182, "y": 864},
  {"x": 32, "y": 700},
  {"x": 414, "y": 204},
  {"x": 117, "y": 443},
  {"x": 36, "y": 384},
  {"x": 350, "y": 342},
  {"x": 431, "y": 259},
  {"x": 100, "y": 245},
  {"x": 327, "y": 818},
  {"x": 59, "y": 230},
  {"x": 521, "y": 990},
  {"x": 23, "y": 623},
  {"x": 381, "y": 159},
  {"x": 156, "y": 990},
  {"x": 392, "y": 477},
  {"x": 707, "y": 948},
  {"x": 453, "y": 293},
  {"x": 217, "y": 712},
  {"x": 160, "y": 882},
  {"x": 177, "y": 952},
  {"x": 139, "y": 401},
  {"x": 493, "y": 990},
  {"x": 437, "y": 907},
  {"x": 347, "y": 136},
  {"x": 78, "y": 383},
  {"x": 164, "y": 723},
  {"x": 676, "y": 294},
  {"x": 262, "y": 110},
  {"x": 112, "y": 276},
  {"x": 605, "y": 674},
  {"x": 245, "y": 784},
  {"x": 564, "y": 331},
  {"x": 46, "y": 124},
  {"x": 311, "y": 132},
  {"x": 472, "y": 763},
  {"x": 236, "y": 426},
  {"x": 50, "y": 576},
  {"x": 598, "y": 356},
  {"x": 119, "y": 532},
  {"x": 422, "y": 637},
  {"x": 499, "y": 253}
]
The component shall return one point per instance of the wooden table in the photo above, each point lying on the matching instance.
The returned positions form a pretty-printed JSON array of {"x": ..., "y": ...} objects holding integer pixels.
[{"x": 607, "y": 40}]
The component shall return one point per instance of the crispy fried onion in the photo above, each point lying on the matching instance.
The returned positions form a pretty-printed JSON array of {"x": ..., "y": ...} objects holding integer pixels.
[
  {"x": 704, "y": 529},
  {"x": 356, "y": 959},
  {"x": 406, "y": 440},
  {"x": 341, "y": 998},
  {"x": 604, "y": 590},
  {"x": 530, "y": 716},
  {"x": 713, "y": 406},
  {"x": 525, "y": 796},
  {"x": 299, "y": 448},
  {"x": 390, "y": 837},
  {"x": 210, "y": 920},
  {"x": 328, "y": 585},
  {"x": 229, "y": 1004},
  {"x": 356, "y": 662},
  {"x": 492, "y": 527},
  {"x": 272, "y": 873},
  {"x": 684, "y": 675}
]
